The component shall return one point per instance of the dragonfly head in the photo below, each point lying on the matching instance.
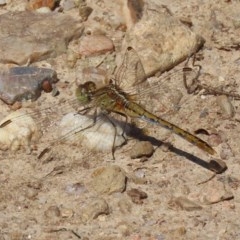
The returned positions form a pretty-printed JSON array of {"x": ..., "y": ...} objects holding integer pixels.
[{"x": 85, "y": 91}]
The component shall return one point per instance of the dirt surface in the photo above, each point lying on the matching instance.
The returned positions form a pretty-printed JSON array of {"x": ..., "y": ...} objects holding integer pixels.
[{"x": 79, "y": 194}]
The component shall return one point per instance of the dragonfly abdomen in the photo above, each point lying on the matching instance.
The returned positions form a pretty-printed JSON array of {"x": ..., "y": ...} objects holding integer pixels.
[{"x": 135, "y": 110}]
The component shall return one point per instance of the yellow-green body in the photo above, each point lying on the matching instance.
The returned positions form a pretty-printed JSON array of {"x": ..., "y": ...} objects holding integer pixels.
[{"x": 113, "y": 99}]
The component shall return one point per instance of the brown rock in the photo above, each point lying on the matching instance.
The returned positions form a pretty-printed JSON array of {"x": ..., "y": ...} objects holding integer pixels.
[
  {"x": 142, "y": 149},
  {"x": 108, "y": 180},
  {"x": 35, "y": 4},
  {"x": 137, "y": 195}
]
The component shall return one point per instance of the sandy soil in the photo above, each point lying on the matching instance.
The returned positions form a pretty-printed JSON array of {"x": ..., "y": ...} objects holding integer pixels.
[{"x": 46, "y": 199}]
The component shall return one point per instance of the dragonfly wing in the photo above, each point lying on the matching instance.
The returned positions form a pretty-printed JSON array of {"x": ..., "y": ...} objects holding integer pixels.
[
  {"x": 131, "y": 72},
  {"x": 96, "y": 133}
]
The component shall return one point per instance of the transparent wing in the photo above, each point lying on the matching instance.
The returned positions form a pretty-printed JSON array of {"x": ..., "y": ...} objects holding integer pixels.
[
  {"x": 52, "y": 127},
  {"x": 94, "y": 132},
  {"x": 131, "y": 78},
  {"x": 44, "y": 116},
  {"x": 131, "y": 72}
]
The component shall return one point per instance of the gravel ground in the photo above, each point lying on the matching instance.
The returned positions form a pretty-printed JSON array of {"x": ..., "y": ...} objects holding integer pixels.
[{"x": 84, "y": 194}]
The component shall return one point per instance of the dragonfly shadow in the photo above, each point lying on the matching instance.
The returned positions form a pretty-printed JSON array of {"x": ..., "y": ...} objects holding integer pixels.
[
  {"x": 139, "y": 134},
  {"x": 191, "y": 158}
]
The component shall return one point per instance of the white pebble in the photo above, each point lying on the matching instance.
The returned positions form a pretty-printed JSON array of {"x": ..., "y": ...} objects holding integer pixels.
[
  {"x": 20, "y": 132},
  {"x": 3, "y": 2},
  {"x": 99, "y": 137}
]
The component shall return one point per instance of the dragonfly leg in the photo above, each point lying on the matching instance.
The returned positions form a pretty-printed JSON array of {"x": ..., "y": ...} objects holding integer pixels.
[
  {"x": 125, "y": 125},
  {"x": 84, "y": 110},
  {"x": 115, "y": 134},
  {"x": 91, "y": 125},
  {"x": 194, "y": 86}
]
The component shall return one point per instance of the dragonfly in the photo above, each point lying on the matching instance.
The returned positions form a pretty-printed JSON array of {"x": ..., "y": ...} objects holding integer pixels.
[
  {"x": 121, "y": 96},
  {"x": 114, "y": 98}
]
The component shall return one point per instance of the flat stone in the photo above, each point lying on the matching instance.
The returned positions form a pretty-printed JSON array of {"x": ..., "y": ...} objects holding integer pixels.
[
  {"x": 29, "y": 36},
  {"x": 20, "y": 83},
  {"x": 95, "y": 45}
]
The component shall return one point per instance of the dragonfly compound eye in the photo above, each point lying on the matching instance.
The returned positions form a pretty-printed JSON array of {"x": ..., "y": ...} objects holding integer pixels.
[{"x": 90, "y": 86}]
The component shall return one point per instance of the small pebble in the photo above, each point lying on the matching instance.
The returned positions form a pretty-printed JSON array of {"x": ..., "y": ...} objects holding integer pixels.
[
  {"x": 76, "y": 188},
  {"x": 139, "y": 173},
  {"x": 142, "y": 149},
  {"x": 226, "y": 106},
  {"x": 215, "y": 139},
  {"x": 137, "y": 195},
  {"x": 47, "y": 86},
  {"x": 43, "y": 10},
  {"x": 84, "y": 12},
  {"x": 186, "y": 204},
  {"x": 109, "y": 179},
  {"x": 94, "y": 209},
  {"x": 66, "y": 213},
  {"x": 18, "y": 131},
  {"x": 36, "y": 4},
  {"x": 35, "y": 185},
  {"x": 52, "y": 212}
]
